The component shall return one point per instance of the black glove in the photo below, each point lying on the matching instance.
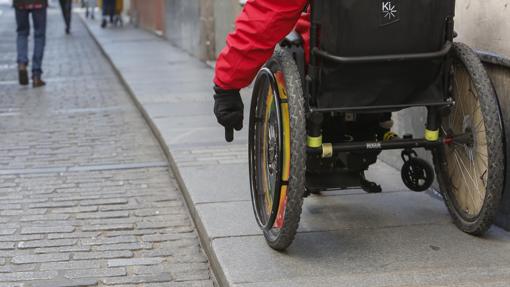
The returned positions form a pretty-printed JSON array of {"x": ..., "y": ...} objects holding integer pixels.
[{"x": 228, "y": 108}]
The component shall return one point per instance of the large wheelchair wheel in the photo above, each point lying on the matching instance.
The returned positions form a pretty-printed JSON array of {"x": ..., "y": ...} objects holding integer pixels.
[
  {"x": 470, "y": 169},
  {"x": 277, "y": 147}
]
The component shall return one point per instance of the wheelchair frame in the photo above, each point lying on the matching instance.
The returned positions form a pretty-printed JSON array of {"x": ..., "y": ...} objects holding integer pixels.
[{"x": 431, "y": 139}]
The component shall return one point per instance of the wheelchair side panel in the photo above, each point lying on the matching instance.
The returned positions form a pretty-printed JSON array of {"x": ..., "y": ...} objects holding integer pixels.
[{"x": 382, "y": 84}]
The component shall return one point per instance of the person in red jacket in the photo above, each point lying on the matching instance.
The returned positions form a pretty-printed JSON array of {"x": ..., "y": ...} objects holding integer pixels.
[{"x": 260, "y": 27}]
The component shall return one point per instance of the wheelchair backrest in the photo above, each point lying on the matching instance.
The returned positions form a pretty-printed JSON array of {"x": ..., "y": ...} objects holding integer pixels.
[{"x": 375, "y": 27}]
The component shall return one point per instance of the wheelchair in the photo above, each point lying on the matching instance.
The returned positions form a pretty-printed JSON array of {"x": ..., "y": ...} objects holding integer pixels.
[{"x": 318, "y": 125}]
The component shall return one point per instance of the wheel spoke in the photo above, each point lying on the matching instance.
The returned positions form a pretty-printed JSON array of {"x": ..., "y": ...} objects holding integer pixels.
[
  {"x": 463, "y": 168},
  {"x": 465, "y": 172},
  {"x": 444, "y": 131}
]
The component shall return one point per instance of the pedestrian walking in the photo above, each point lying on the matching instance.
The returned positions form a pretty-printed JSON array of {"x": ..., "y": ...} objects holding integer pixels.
[
  {"x": 25, "y": 8},
  {"x": 108, "y": 12},
  {"x": 90, "y": 8},
  {"x": 66, "y": 6}
]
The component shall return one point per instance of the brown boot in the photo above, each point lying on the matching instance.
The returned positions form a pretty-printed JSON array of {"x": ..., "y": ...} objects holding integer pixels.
[
  {"x": 22, "y": 74},
  {"x": 37, "y": 82}
]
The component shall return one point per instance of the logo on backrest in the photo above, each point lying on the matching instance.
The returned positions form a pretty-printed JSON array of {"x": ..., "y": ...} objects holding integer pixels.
[{"x": 389, "y": 12}]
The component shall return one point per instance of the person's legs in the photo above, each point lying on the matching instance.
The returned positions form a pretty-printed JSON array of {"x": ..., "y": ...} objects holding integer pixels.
[
  {"x": 108, "y": 11},
  {"x": 69, "y": 10},
  {"x": 90, "y": 6},
  {"x": 39, "y": 19},
  {"x": 22, "y": 30},
  {"x": 105, "y": 13},
  {"x": 65, "y": 6},
  {"x": 93, "y": 5},
  {"x": 62, "y": 8},
  {"x": 112, "y": 10}
]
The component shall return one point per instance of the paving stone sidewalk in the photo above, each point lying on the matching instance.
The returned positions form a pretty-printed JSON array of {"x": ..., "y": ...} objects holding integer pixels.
[
  {"x": 86, "y": 196},
  {"x": 350, "y": 238}
]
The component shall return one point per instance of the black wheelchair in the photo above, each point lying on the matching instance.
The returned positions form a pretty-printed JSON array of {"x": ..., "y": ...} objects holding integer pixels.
[{"x": 319, "y": 125}]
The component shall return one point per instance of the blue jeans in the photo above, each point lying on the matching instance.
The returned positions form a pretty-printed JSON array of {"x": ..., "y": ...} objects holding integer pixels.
[
  {"x": 23, "y": 31},
  {"x": 109, "y": 8},
  {"x": 66, "y": 6}
]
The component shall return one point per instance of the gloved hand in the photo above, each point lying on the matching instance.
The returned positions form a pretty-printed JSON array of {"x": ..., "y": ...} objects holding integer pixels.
[{"x": 228, "y": 108}]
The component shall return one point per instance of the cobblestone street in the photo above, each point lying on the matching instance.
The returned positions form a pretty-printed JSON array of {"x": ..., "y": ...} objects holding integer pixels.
[{"x": 86, "y": 197}]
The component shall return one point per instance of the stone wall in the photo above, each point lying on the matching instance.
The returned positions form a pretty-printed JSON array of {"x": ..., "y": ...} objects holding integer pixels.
[
  {"x": 149, "y": 16},
  {"x": 485, "y": 24},
  {"x": 190, "y": 26},
  {"x": 225, "y": 12}
]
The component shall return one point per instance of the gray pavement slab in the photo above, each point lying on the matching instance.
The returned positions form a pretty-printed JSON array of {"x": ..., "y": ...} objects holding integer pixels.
[
  {"x": 439, "y": 254},
  {"x": 331, "y": 213},
  {"x": 198, "y": 135},
  {"x": 199, "y": 178},
  {"x": 180, "y": 109},
  {"x": 346, "y": 238},
  {"x": 175, "y": 88},
  {"x": 188, "y": 122},
  {"x": 467, "y": 277}
]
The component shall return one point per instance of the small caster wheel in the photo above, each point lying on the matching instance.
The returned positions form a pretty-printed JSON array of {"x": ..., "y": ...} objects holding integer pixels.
[{"x": 417, "y": 174}]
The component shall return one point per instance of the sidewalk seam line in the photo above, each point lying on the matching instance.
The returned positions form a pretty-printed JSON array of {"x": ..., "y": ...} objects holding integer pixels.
[
  {"x": 337, "y": 230},
  {"x": 84, "y": 168}
]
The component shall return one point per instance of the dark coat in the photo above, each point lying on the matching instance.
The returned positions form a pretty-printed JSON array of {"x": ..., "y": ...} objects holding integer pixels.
[{"x": 30, "y": 4}]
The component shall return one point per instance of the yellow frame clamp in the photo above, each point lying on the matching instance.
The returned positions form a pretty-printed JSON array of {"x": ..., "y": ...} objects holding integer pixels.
[
  {"x": 314, "y": 142},
  {"x": 327, "y": 150},
  {"x": 431, "y": 136}
]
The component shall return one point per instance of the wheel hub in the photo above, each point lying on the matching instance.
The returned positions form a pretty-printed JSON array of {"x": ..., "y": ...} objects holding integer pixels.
[
  {"x": 272, "y": 149},
  {"x": 468, "y": 127}
]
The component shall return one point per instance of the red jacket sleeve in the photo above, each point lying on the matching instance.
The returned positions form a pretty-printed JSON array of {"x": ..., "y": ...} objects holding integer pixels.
[
  {"x": 259, "y": 28},
  {"x": 303, "y": 27}
]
